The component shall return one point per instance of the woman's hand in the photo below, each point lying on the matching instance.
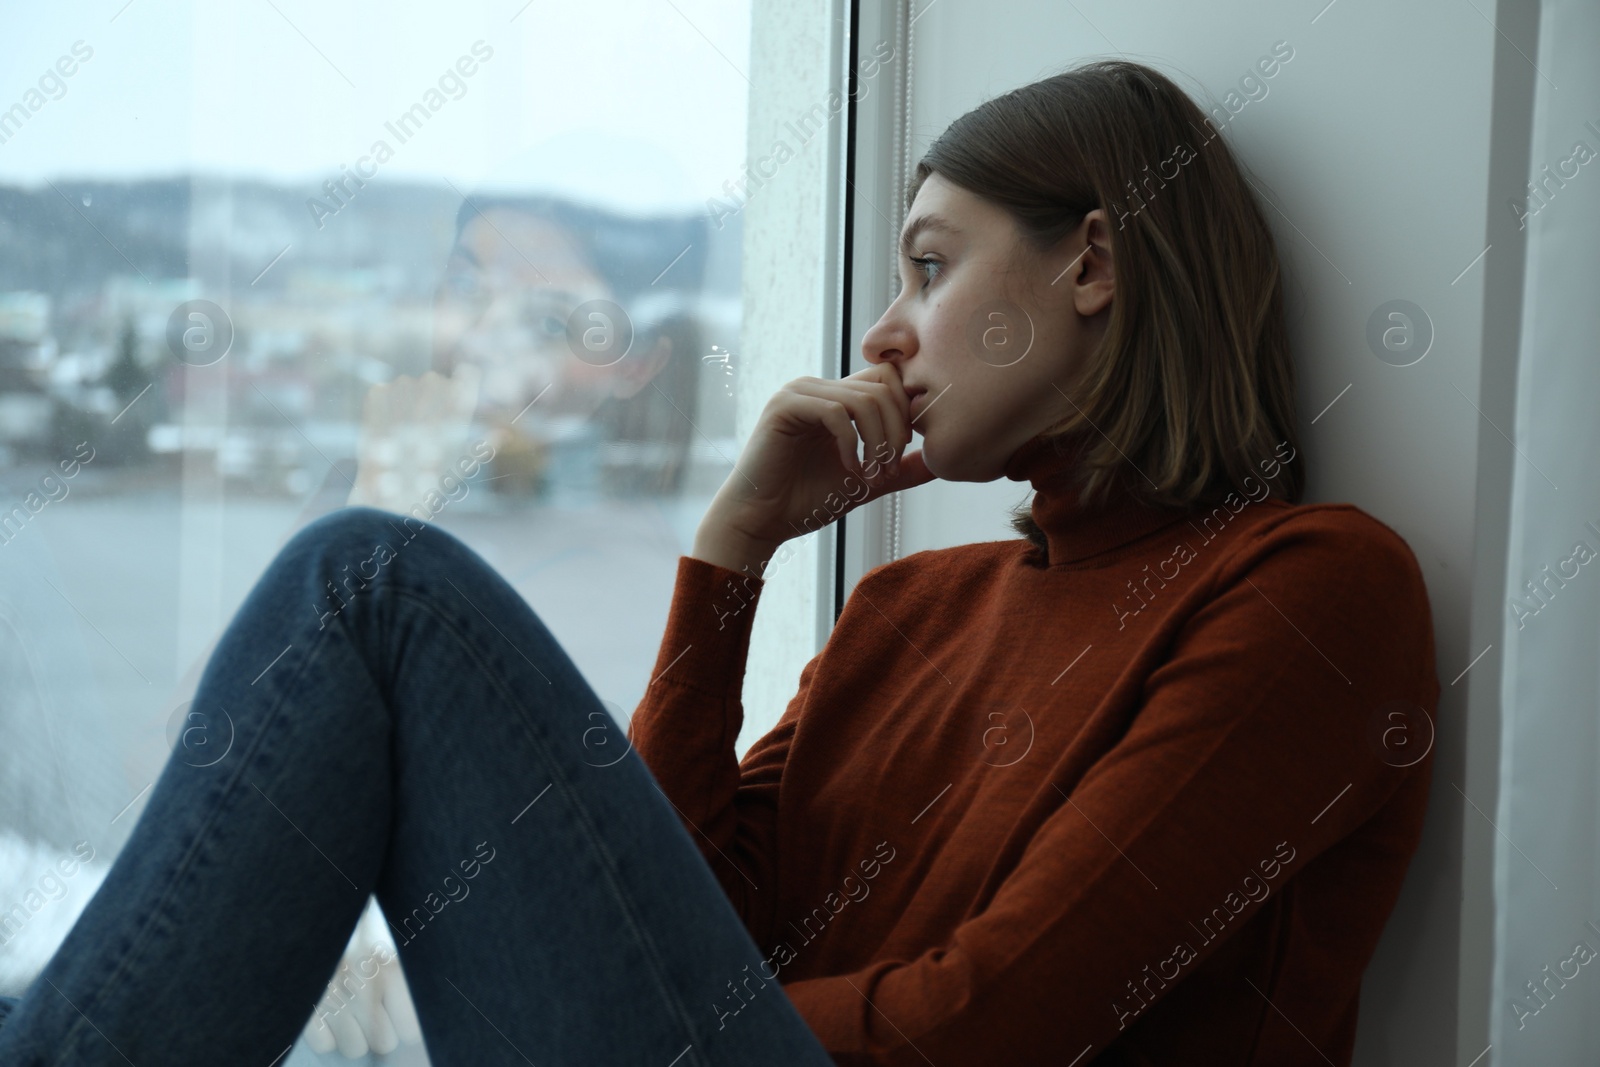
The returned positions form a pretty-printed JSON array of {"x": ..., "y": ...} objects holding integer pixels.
[
  {"x": 412, "y": 430},
  {"x": 800, "y": 468}
]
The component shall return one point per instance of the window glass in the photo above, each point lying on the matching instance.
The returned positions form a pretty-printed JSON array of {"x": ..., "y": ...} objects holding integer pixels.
[{"x": 264, "y": 260}]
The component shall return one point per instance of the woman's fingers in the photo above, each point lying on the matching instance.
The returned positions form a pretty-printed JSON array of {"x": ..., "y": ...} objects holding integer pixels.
[
  {"x": 468, "y": 380},
  {"x": 402, "y": 401},
  {"x": 833, "y": 416},
  {"x": 872, "y": 408},
  {"x": 887, "y": 375},
  {"x": 890, "y": 386},
  {"x": 863, "y": 412},
  {"x": 911, "y": 473},
  {"x": 783, "y": 474},
  {"x": 411, "y": 428},
  {"x": 889, "y": 399},
  {"x": 882, "y": 385}
]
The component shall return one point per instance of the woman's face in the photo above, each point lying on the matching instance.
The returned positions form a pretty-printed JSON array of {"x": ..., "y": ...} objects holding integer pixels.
[
  {"x": 989, "y": 330},
  {"x": 512, "y": 282}
]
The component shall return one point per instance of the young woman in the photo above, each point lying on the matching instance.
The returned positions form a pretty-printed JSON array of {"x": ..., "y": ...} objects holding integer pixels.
[{"x": 1139, "y": 788}]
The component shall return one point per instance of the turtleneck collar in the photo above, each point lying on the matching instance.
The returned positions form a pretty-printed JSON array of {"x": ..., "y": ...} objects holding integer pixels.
[{"x": 1074, "y": 529}]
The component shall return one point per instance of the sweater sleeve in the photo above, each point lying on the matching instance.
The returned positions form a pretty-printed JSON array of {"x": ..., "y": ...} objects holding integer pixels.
[
  {"x": 687, "y": 724},
  {"x": 1263, "y": 737}
]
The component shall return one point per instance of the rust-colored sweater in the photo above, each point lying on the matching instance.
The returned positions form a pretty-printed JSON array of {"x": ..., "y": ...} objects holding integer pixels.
[{"x": 1148, "y": 801}]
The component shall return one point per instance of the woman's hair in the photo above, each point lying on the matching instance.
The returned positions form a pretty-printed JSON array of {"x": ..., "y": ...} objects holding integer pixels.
[
  {"x": 1191, "y": 385},
  {"x": 628, "y": 254}
]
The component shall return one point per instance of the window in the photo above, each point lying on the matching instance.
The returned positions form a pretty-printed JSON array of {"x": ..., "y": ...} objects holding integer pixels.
[{"x": 238, "y": 240}]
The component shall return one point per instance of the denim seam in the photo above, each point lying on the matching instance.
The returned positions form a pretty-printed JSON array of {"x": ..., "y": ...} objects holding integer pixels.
[
  {"x": 597, "y": 840},
  {"x": 184, "y": 865}
]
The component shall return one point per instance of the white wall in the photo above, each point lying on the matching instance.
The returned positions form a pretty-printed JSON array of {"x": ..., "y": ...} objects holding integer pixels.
[{"x": 1385, "y": 150}]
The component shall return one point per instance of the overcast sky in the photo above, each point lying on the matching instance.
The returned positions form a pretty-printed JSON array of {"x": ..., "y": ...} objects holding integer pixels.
[{"x": 640, "y": 104}]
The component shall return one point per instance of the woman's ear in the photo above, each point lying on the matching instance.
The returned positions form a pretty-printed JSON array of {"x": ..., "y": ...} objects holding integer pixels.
[
  {"x": 633, "y": 374},
  {"x": 1093, "y": 277}
]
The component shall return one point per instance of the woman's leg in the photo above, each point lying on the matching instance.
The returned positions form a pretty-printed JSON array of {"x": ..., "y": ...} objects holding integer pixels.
[{"x": 425, "y": 739}]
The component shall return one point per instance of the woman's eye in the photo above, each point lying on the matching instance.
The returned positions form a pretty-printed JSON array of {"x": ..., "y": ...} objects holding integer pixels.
[
  {"x": 929, "y": 268},
  {"x": 463, "y": 285},
  {"x": 550, "y": 326}
]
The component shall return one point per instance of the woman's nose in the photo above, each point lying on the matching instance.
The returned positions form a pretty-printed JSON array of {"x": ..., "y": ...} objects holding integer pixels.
[{"x": 887, "y": 340}]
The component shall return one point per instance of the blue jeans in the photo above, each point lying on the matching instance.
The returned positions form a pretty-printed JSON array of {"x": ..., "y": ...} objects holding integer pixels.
[{"x": 385, "y": 715}]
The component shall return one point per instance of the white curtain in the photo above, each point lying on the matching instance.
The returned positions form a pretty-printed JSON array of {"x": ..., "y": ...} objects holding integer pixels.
[{"x": 1547, "y": 907}]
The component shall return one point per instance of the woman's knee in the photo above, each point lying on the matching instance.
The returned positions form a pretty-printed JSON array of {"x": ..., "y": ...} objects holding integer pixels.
[
  {"x": 357, "y": 565},
  {"x": 358, "y": 545}
]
